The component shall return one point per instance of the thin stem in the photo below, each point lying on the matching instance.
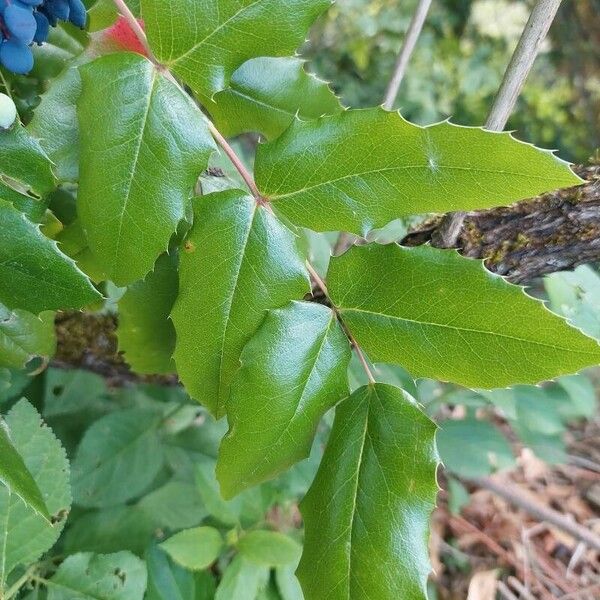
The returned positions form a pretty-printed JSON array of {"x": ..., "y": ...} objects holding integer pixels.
[
  {"x": 14, "y": 589},
  {"x": 6, "y": 85},
  {"x": 126, "y": 13},
  {"x": 522, "y": 60},
  {"x": 408, "y": 46}
]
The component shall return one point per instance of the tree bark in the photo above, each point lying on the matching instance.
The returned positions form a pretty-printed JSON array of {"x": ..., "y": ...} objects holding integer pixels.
[{"x": 553, "y": 232}]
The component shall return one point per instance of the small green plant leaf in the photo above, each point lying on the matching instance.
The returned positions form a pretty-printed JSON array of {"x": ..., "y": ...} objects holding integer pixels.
[
  {"x": 86, "y": 576},
  {"x": 117, "y": 459},
  {"x": 266, "y": 94},
  {"x": 369, "y": 167},
  {"x": 194, "y": 549},
  {"x": 24, "y": 533},
  {"x": 367, "y": 512},
  {"x": 34, "y": 275},
  {"x": 241, "y": 580},
  {"x": 269, "y": 548},
  {"x": 203, "y": 43},
  {"x": 443, "y": 316},
  {"x": 15, "y": 475},
  {"x": 24, "y": 336},
  {"x": 293, "y": 371},
  {"x": 144, "y": 144},
  {"x": 238, "y": 262},
  {"x": 146, "y": 333}
]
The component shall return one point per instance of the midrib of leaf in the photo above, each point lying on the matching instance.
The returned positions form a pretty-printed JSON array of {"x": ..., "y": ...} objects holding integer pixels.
[
  {"x": 212, "y": 33},
  {"x": 425, "y": 167},
  {"x": 230, "y": 302},
  {"x": 50, "y": 583},
  {"x": 5, "y": 540},
  {"x": 467, "y": 329},
  {"x": 289, "y": 113},
  {"x": 136, "y": 157}
]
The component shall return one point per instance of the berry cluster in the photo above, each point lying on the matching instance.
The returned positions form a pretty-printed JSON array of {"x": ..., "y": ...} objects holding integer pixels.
[{"x": 23, "y": 22}]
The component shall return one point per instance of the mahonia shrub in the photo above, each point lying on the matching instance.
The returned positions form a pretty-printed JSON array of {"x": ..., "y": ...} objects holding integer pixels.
[{"x": 104, "y": 194}]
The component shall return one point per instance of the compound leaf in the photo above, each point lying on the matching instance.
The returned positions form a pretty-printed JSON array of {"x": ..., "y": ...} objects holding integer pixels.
[
  {"x": 34, "y": 274},
  {"x": 24, "y": 533},
  {"x": 265, "y": 94},
  {"x": 238, "y": 262},
  {"x": 87, "y": 576},
  {"x": 144, "y": 144},
  {"x": 204, "y": 42},
  {"x": 293, "y": 371},
  {"x": 367, "y": 512},
  {"x": 146, "y": 333},
  {"x": 446, "y": 317},
  {"x": 361, "y": 169}
]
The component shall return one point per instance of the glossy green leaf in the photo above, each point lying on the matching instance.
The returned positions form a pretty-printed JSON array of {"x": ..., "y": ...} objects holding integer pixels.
[
  {"x": 24, "y": 336},
  {"x": 446, "y": 317},
  {"x": 367, "y": 513},
  {"x": 146, "y": 333},
  {"x": 143, "y": 145},
  {"x": 241, "y": 580},
  {"x": 34, "y": 274},
  {"x": 119, "y": 456},
  {"x": 265, "y": 94},
  {"x": 204, "y": 42},
  {"x": 54, "y": 123},
  {"x": 24, "y": 533},
  {"x": 15, "y": 475},
  {"x": 23, "y": 160},
  {"x": 86, "y": 576},
  {"x": 194, "y": 549},
  {"x": 269, "y": 548},
  {"x": 293, "y": 371},
  {"x": 238, "y": 262},
  {"x": 33, "y": 208},
  {"x": 361, "y": 169}
]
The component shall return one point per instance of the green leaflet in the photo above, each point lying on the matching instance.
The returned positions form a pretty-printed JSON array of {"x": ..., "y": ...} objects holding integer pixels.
[
  {"x": 24, "y": 336},
  {"x": 238, "y": 262},
  {"x": 146, "y": 333},
  {"x": 269, "y": 548},
  {"x": 143, "y": 145},
  {"x": 34, "y": 274},
  {"x": 23, "y": 160},
  {"x": 265, "y": 94},
  {"x": 54, "y": 123},
  {"x": 86, "y": 576},
  {"x": 361, "y": 169},
  {"x": 194, "y": 549},
  {"x": 15, "y": 475},
  {"x": 204, "y": 41},
  {"x": 446, "y": 317},
  {"x": 367, "y": 513},
  {"x": 25, "y": 534},
  {"x": 118, "y": 458},
  {"x": 241, "y": 580},
  {"x": 293, "y": 371}
]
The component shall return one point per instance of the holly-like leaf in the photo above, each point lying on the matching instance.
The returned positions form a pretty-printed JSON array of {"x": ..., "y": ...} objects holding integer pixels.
[
  {"x": 367, "y": 512},
  {"x": 15, "y": 475},
  {"x": 293, "y": 371},
  {"x": 194, "y": 549},
  {"x": 204, "y": 42},
  {"x": 265, "y": 94},
  {"x": 146, "y": 333},
  {"x": 361, "y": 169},
  {"x": 446, "y": 317},
  {"x": 24, "y": 533},
  {"x": 143, "y": 145},
  {"x": 86, "y": 576},
  {"x": 269, "y": 548},
  {"x": 54, "y": 123},
  {"x": 238, "y": 262},
  {"x": 23, "y": 160},
  {"x": 34, "y": 274},
  {"x": 24, "y": 336},
  {"x": 119, "y": 456}
]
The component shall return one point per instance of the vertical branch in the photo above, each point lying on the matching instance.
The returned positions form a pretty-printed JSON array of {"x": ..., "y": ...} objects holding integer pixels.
[
  {"x": 126, "y": 13},
  {"x": 410, "y": 41},
  {"x": 529, "y": 45}
]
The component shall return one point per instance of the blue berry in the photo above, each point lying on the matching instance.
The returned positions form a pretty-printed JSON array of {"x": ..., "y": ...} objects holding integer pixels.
[
  {"x": 77, "y": 13},
  {"x": 20, "y": 22},
  {"x": 43, "y": 28},
  {"x": 16, "y": 56}
]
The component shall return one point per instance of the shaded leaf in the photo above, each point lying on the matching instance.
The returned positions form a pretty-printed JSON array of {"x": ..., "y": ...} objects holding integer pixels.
[
  {"x": 446, "y": 317},
  {"x": 269, "y": 548},
  {"x": 194, "y": 549},
  {"x": 367, "y": 513},
  {"x": 361, "y": 169},
  {"x": 71, "y": 391},
  {"x": 241, "y": 580}
]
